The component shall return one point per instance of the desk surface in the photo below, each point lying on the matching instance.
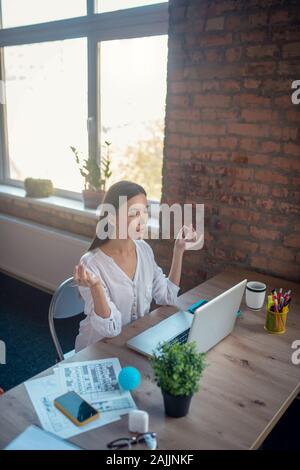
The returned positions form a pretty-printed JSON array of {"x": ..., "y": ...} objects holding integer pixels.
[{"x": 248, "y": 385}]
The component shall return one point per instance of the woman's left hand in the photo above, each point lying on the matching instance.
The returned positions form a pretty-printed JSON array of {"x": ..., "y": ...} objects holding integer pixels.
[{"x": 187, "y": 239}]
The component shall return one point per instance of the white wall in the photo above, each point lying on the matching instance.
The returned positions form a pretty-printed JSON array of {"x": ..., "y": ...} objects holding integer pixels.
[{"x": 41, "y": 255}]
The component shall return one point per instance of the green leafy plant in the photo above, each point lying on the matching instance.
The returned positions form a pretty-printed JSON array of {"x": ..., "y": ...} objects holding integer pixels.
[
  {"x": 178, "y": 368},
  {"x": 106, "y": 162},
  {"x": 36, "y": 187},
  {"x": 95, "y": 177}
]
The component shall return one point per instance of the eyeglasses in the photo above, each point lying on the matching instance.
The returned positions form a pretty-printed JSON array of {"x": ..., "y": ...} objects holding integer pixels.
[{"x": 149, "y": 438}]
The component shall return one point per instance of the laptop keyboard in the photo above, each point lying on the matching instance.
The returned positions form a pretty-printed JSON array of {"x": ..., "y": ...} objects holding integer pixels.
[{"x": 181, "y": 338}]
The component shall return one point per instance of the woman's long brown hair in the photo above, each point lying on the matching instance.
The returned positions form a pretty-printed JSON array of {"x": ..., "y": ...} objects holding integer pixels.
[{"x": 121, "y": 188}]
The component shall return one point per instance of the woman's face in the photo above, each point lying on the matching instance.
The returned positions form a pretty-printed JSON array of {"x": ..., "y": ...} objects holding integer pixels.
[{"x": 134, "y": 217}]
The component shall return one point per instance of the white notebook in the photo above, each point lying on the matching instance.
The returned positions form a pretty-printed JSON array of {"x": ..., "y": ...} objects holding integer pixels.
[{"x": 35, "y": 438}]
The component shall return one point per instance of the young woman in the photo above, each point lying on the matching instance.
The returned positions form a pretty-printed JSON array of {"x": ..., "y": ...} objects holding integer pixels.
[{"x": 118, "y": 276}]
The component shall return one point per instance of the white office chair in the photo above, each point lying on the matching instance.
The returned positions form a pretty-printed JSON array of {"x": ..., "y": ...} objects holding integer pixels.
[{"x": 65, "y": 303}]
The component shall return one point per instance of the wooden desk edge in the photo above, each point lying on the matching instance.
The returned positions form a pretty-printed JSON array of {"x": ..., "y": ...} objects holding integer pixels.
[{"x": 258, "y": 442}]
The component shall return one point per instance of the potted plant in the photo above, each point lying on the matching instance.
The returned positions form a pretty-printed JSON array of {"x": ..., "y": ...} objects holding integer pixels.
[
  {"x": 36, "y": 187},
  {"x": 177, "y": 371},
  {"x": 95, "y": 178}
]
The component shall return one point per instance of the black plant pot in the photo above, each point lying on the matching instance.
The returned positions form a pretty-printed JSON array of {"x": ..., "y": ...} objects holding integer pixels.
[{"x": 176, "y": 406}]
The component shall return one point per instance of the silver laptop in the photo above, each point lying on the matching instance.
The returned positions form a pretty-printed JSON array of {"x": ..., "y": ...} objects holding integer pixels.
[{"x": 210, "y": 323}]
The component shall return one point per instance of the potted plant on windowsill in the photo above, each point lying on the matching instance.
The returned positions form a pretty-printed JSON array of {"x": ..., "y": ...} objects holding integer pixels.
[
  {"x": 177, "y": 371},
  {"x": 37, "y": 187},
  {"x": 95, "y": 177}
]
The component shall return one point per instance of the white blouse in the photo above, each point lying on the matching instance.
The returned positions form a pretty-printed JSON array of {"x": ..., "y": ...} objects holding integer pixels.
[{"x": 127, "y": 298}]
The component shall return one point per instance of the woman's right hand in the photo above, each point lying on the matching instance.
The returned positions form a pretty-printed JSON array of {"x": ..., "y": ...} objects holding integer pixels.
[{"x": 85, "y": 278}]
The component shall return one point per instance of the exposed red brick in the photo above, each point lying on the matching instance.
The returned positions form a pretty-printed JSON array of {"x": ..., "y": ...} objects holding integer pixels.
[
  {"x": 215, "y": 24},
  {"x": 280, "y": 192},
  {"x": 239, "y": 214},
  {"x": 179, "y": 100},
  {"x": 253, "y": 36},
  {"x": 293, "y": 115},
  {"x": 232, "y": 22},
  {"x": 210, "y": 100},
  {"x": 231, "y": 85},
  {"x": 258, "y": 19},
  {"x": 209, "y": 142},
  {"x": 291, "y": 50},
  {"x": 252, "y": 83},
  {"x": 284, "y": 133},
  {"x": 178, "y": 87},
  {"x": 269, "y": 146},
  {"x": 188, "y": 114},
  {"x": 285, "y": 270},
  {"x": 254, "y": 130},
  {"x": 279, "y": 16},
  {"x": 268, "y": 250},
  {"x": 264, "y": 233},
  {"x": 292, "y": 149},
  {"x": 262, "y": 51},
  {"x": 233, "y": 54},
  {"x": 278, "y": 85},
  {"x": 232, "y": 135},
  {"x": 286, "y": 163},
  {"x": 215, "y": 7},
  {"x": 214, "y": 39},
  {"x": 260, "y": 69},
  {"x": 292, "y": 240},
  {"x": 239, "y": 229},
  {"x": 258, "y": 114},
  {"x": 207, "y": 129},
  {"x": 271, "y": 177},
  {"x": 248, "y": 144},
  {"x": 283, "y": 101},
  {"x": 229, "y": 142},
  {"x": 259, "y": 159},
  {"x": 252, "y": 99}
]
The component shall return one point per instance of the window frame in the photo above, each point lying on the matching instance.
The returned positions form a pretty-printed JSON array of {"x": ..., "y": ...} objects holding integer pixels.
[{"x": 144, "y": 21}]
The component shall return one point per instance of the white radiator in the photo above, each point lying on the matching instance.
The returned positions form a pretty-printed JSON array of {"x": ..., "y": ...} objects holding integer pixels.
[{"x": 38, "y": 254}]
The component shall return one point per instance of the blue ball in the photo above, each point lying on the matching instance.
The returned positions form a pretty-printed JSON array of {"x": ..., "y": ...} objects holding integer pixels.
[{"x": 129, "y": 378}]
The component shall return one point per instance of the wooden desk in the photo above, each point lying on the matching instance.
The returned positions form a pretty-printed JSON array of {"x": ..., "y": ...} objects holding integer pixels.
[{"x": 248, "y": 385}]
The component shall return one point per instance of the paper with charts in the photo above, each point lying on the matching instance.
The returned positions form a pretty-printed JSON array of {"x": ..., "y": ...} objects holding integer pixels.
[
  {"x": 97, "y": 382},
  {"x": 42, "y": 392}
]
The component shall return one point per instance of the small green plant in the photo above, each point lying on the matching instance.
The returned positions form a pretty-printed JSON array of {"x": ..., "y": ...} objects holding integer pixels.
[
  {"x": 95, "y": 178},
  {"x": 106, "y": 162},
  {"x": 37, "y": 187},
  {"x": 178, "y": 368}
]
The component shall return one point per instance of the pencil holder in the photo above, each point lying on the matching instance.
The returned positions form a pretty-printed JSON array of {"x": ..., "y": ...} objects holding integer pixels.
[{"x": 275, "y": 321}]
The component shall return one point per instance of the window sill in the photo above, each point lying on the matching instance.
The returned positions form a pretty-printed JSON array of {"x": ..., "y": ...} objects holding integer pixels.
[
  {"x": 63, "y": 204},
  {"x": 68, "y": 205}
]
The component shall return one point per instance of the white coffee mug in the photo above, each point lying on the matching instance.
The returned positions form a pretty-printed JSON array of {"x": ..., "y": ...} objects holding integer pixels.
[{"x": 255, "y": 294}]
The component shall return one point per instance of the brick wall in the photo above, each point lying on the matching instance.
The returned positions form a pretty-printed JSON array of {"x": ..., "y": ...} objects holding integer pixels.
[
  {"x": 51, "y": 216},
  {"x": 232, "y": 133}
]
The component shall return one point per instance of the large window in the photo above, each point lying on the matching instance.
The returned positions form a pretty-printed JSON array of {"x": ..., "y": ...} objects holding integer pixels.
[
  {"x": 24, "y": 12},
  {"x": 46, "y": 94},
  {"x": 112, "y": 5},
  {"x": 132, "y": 102},
  {"x": 80, "y": 82}
]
